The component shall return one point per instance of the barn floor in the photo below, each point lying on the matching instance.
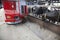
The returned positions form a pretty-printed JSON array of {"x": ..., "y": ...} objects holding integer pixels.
[{"x": 26, "y": 31}]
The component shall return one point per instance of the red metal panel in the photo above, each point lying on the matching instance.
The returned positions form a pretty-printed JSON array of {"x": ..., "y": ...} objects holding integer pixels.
[
  {"x": 11, "y": 19},
  {"x": 7, "y": 20},
  {"x": 11, "y": 15},
  {"x": 9, "y": 5},
  {"x": 26, "y": 11}
]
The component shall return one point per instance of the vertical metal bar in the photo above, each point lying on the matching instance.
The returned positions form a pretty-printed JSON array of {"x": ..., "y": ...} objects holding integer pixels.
[{"x": 19, "y": 6}]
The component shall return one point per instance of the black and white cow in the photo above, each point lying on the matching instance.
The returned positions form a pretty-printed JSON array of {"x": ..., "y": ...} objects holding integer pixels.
[
  {"x": 53, "y": 16},
  {"x": 41, "y": 11}
]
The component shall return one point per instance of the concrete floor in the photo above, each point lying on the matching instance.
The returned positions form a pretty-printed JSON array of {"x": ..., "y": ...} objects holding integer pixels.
[
  {"x": 17, "y": 32},
  {"x": 2, "y": 16},
  {"x": 26, "y": 31}
]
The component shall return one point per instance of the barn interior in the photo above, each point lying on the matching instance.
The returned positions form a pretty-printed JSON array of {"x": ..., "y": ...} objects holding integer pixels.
[{"x": 41, "y": 23}]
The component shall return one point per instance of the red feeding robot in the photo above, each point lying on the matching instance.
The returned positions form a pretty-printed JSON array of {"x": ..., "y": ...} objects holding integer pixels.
[{"x": 15, "y": 10}]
